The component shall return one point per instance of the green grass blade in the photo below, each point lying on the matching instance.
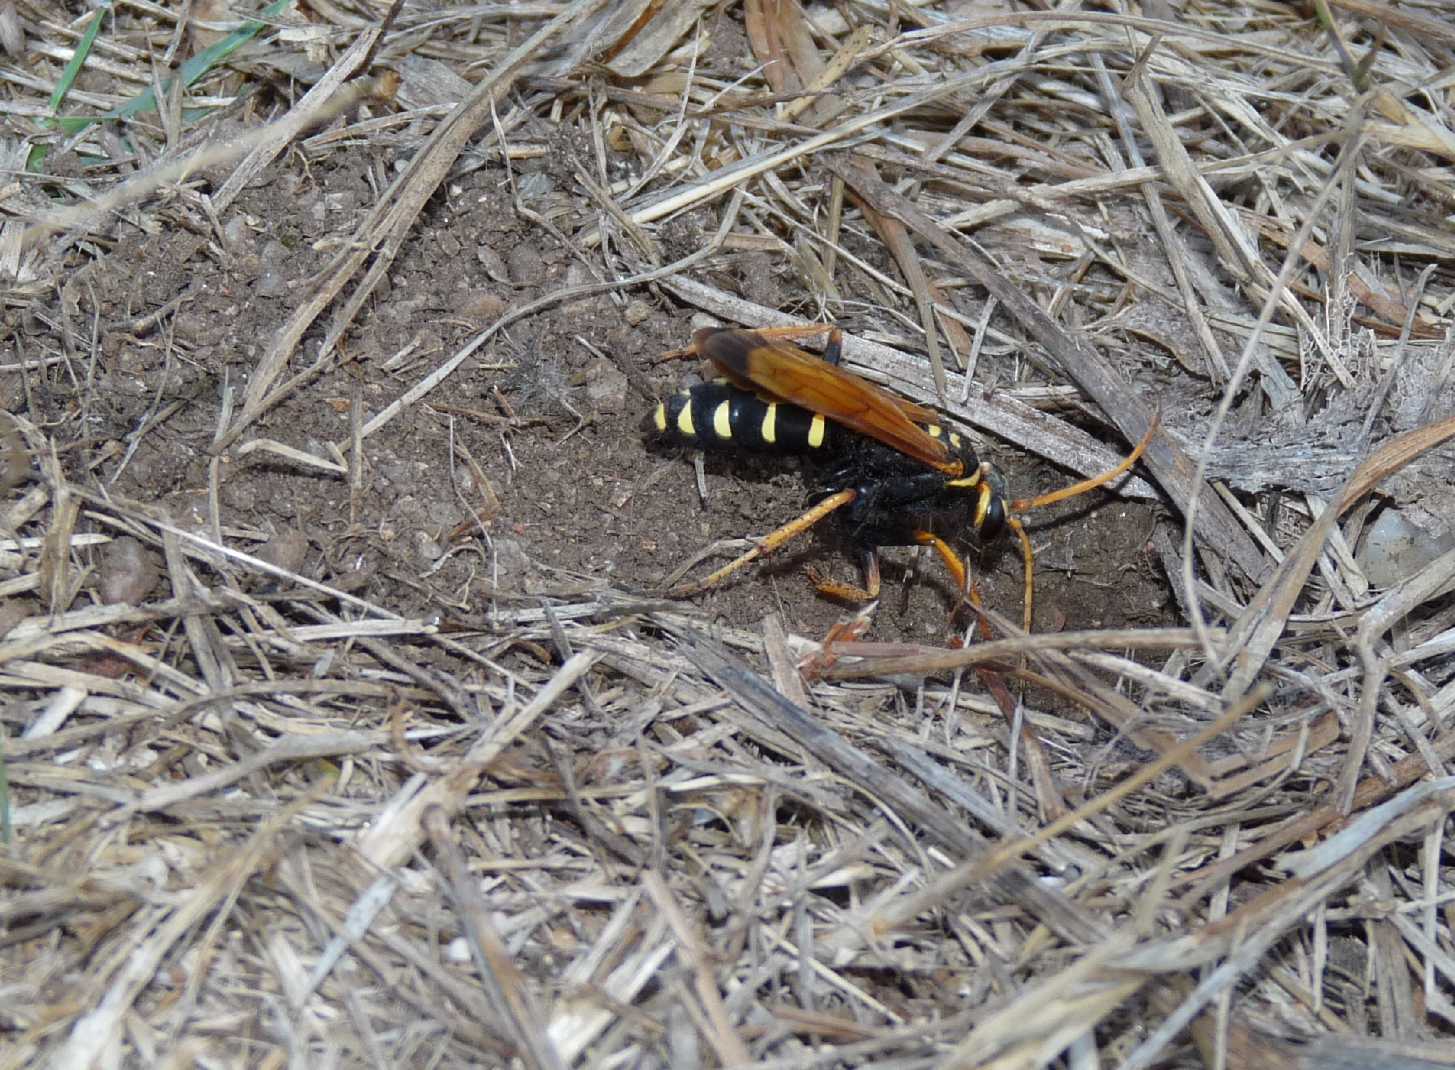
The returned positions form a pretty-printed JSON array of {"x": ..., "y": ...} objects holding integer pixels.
[
  {"x": 189, "y": 72},
  {"x": 78, "y": 57}
]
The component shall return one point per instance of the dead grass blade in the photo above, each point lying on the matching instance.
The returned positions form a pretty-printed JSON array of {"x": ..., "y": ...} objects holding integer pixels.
[
  {"x": 338, "y": 726},
  {"x": 1081, "y": 363}
]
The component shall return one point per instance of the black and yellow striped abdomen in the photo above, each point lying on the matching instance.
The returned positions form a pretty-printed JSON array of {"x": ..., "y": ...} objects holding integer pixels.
[
  {"x": 897, "y": 496},
  {"x": 719, "y": 415}
]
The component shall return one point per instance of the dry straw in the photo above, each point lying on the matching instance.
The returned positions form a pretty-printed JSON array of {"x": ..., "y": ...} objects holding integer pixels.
[{"x": 259, "y": 816}]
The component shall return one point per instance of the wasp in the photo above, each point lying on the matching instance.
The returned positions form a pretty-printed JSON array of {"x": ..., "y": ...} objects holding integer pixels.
[{"x": 897, "y": 476}]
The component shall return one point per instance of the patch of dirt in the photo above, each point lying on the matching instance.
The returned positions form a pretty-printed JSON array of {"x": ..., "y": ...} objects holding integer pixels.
[{"x": 576, "y": 494}]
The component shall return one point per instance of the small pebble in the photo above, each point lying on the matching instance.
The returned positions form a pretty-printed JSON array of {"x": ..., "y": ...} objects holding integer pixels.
[
  {"x": 482, "y": 306},
  {"x": 606, "y": 386},
  {"x": 426, "y": 550},
  {"x": 493, "y": 263},
  {"x": 271, "y": 280},
  {"x": 510, "y": 561},
  {"x": 1395, "y": 548},
  {"x": 286, "y": 550},
  {"x": 14, "y": 458},
  {"x": 12, "y": 612},
  {"x": 525, "y": 265},
  {"x": 535, "y": 186},
  {"x": 127, "y": 573}
]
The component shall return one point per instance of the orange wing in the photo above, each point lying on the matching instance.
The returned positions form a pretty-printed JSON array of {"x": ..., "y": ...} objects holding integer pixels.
[{"x": 790, "y": 374}]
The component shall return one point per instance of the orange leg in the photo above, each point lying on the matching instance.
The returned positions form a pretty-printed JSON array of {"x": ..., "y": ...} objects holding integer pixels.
[
  {"x": 954, "y": 564},
  {"x": 870, "y": 591},
  {"x": 1028, "y": 556},
  {"x": 847, "y": 592},
  {"x": 960, "y": 572},
  {"x": 770, "y": 542},
  {"x": 807, "y": 331}
]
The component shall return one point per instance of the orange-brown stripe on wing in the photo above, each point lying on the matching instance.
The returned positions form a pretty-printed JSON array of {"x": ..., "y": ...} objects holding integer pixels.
[{"x": 793, "y": 375}]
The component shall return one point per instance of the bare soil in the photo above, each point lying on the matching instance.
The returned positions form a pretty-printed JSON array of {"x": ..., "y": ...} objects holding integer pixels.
[{"x": 583, "y": 497}]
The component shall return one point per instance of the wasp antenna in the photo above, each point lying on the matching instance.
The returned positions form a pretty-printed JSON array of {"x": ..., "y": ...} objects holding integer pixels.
[
  {"x": 1023, "y": 505},
  {"x": 833, "y": 351},
  {"x": 677, "y": 354}
]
